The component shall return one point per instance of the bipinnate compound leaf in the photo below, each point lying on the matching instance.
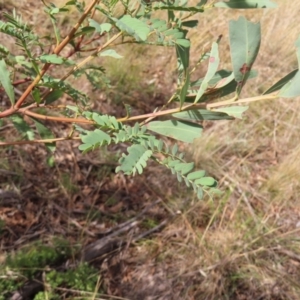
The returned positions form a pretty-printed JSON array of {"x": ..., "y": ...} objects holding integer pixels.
[
  {"x": 162, "y": 34},
  {"x": 135, "y": 161},
  {"x": 245, "y": 39},
  {"x": 246, "y": 4},
  {"x": 23, "y": 128},
  {"x": 292, "y": 88},
  {"x": 213, "y": 65},
  {"x": 5, "y": 81},
  {"x": 178, "y": 130},
  {"x": 234, "y": 111},
  {"x": 196, "y": 115},
  {"x": 94, "y": 139},
  {"x": 134, "y": 27},
  {"x": 105, "y": 121},
  {"x": 64, "y": 87}
]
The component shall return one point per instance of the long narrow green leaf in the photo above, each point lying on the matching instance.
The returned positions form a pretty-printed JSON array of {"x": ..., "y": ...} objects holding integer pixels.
[
  {"x": 202, "y": 114},
  {"x": 214, "y": 94},
  {"x": 5, "y": 81},
  {"x": 246, "y": 4},
  {"x": 184, "y": 89},
  {"x": 179, "y": 8},
  {"x": 213, "y": 65},
  {"x": 280, "y": 83},
  {"x": 178, "y": 130},
  {"x": 234, "y": 111},
  {"x": 245, "y": 39}
]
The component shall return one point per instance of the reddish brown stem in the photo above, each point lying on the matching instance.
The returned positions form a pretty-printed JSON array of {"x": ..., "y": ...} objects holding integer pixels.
[
  {"x": 39, "y": 141},
  {"x": 57, "y": 50},
  {"x": 55, "y": 119},
  {"x": 18, "y": 82}
]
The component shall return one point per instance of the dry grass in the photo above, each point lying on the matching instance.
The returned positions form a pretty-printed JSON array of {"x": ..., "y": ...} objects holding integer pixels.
[
  {"x": 246, "y": 249},
  {"x": 244, "y": 244}
]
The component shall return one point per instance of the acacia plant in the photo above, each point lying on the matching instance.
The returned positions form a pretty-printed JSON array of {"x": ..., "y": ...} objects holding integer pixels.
[{"x": 163, "y": 23}]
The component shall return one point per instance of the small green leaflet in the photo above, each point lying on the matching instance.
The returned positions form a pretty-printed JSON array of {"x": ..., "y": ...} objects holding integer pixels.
[
  {"x": 52, "y": 59},
  {"x": 201, "y": 114},
  {"x": 22, "y": 127},
  {"x": 234, "y": 111},
  {"x": 183, "y": 42},
  {"x": 94, "y": 139},
  {"x": 196, "y": 175},
  {"x": 135, "y": 161},
  {"x": 111, "y": 52},
  {"x": 178, "y": 130},
  {"x": 245, "y": 39},
  {"x": 246, "y": 4},
  {"x": 134, "y": 27},
  {"x": 190, "y": 23},
  {"x": 5, "y": 81},
  {"x": 213, "y": 65},
  {"x": 101, "y": 28},
  {"x": 206, "y": 181}
]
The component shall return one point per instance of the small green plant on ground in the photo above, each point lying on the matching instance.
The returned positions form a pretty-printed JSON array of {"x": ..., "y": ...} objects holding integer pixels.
[
  {"x": 38, "y": 258},
  {"x": 45, "y": 64}
]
